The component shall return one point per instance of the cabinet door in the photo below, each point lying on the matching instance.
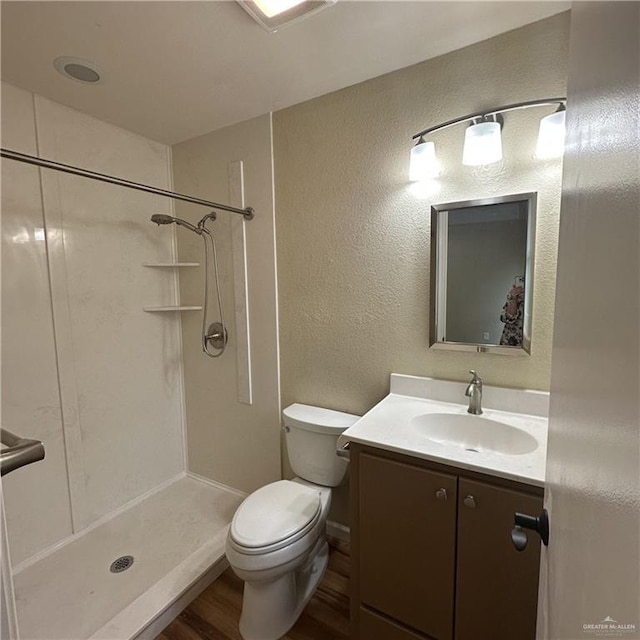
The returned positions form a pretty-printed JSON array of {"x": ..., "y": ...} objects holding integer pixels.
[
  {"x": 407, "y": 518},
  {"x": 375, "y": 627},
  {"x": 497, "y": 586}
]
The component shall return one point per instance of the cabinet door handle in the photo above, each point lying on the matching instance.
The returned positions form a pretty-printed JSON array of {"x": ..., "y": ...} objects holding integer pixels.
[
  {"x": 469, "y": 502},
  {"x": 441, "y": 494}
]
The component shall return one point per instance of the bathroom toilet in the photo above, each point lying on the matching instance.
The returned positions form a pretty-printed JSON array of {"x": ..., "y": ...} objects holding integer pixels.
[{"x": 276, "y": 542}]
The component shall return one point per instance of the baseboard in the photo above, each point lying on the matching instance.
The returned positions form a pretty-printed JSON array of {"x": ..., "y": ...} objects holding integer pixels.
[{"x": 337, "y": 530}]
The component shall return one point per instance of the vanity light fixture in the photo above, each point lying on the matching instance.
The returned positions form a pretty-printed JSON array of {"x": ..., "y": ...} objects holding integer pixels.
[
  {"x": 551, "y": 134},
  {"x": 483, "y": 137},
  {"x": 424, "y": 163},
  {"x": 483, "y": 142},
  {"x": 273, "y": 14}
]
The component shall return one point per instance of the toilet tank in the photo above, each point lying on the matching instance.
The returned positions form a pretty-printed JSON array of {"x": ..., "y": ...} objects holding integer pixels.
[{"x": 312, "y": 436}]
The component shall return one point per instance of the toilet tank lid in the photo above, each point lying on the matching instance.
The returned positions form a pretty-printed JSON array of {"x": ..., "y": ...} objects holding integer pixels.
[{"x": 311, "y": 418}]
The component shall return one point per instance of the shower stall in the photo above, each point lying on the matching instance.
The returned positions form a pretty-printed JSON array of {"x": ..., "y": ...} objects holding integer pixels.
[{"x": 111, "y": 534}]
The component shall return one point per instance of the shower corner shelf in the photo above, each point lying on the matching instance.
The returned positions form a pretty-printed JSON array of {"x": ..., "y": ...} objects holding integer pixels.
[
  {"x": 178, "y": 307},
  {"x": 172, "y": 308},
  {"x": 171, "y": 264}
]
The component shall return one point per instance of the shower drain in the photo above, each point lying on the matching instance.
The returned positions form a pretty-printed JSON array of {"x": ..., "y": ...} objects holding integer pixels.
[{"x": 121, "y": 564}]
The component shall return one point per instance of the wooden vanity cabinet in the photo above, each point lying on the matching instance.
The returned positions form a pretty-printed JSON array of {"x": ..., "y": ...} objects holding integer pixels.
[
  {"x": 373, "y": 625},
  {"x": 496, "y": 585},
  {"x": 407, "y": 543},
  {"x": 432, "y": 557}
]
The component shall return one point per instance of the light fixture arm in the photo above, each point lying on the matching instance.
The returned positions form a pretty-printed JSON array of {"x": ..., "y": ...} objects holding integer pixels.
[
  {"x": 490, "y": 117},
  {"x": 492, "y": 112}
]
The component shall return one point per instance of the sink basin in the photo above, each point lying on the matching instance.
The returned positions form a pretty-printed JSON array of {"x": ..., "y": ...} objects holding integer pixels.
[{"x": 474, "y": 433}]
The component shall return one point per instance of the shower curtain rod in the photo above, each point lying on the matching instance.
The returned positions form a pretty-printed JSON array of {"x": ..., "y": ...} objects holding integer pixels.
[{"x": 248, "y": 212}]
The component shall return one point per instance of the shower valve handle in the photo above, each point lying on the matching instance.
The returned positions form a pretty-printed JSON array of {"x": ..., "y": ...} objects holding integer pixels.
[{"x": 217, "y": 335}]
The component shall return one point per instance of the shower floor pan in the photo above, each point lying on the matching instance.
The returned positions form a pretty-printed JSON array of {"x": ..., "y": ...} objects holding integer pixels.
[{"x": 175, "y": 537}]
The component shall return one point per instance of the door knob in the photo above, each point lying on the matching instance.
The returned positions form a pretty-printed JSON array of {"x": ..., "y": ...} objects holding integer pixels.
[
  {"x": 522, "y": 522},
  {"x": 441, "y": 494}
]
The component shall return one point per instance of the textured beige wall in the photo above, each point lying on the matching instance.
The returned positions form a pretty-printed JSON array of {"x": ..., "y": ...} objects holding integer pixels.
[
  {"x": 232, "y": 443},
  {"x": 353, "y": 233}
]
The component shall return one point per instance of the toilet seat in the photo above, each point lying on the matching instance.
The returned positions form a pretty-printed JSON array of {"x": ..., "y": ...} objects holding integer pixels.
[{"x": 274, "y": 517}]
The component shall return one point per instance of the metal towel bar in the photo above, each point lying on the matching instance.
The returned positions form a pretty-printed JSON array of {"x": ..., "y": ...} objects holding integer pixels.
[{"x": 19, "y": 452}]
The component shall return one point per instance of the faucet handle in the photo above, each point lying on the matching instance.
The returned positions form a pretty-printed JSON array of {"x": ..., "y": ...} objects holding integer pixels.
[{"x": 476, "y": 378}]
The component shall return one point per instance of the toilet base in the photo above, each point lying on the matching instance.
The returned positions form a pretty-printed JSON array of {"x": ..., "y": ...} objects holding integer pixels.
[{"x": 270, "y": 609}]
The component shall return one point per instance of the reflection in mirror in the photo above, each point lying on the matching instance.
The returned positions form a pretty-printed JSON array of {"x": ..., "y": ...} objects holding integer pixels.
[{"x": 482, "y": 274}]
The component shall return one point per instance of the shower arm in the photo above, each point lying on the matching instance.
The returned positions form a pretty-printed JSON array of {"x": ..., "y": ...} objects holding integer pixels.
[{"x": 247, "y": 213}]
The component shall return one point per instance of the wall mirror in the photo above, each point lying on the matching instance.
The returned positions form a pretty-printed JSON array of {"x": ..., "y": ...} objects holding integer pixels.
[{"x": 482, "y": 274}]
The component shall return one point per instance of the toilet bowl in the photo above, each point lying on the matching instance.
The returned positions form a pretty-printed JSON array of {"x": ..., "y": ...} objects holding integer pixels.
[{"x": 276, "y": 542}]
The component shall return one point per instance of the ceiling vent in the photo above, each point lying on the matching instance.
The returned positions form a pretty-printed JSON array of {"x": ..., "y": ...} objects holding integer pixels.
[{"x": 78, "y": 69}]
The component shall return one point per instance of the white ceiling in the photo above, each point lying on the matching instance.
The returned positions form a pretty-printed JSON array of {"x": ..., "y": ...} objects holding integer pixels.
[{"x": 173, "y": 70}]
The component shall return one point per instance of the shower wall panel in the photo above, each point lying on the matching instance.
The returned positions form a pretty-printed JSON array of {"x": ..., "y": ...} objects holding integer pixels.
[
  {"x": 36, "y": 497},
  {"x": 119, "y": 368},
  {"x": 229, "y": 441}
]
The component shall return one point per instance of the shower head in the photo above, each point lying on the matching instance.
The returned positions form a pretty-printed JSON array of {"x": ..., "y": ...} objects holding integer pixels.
[{"x": 163, "y": 218}]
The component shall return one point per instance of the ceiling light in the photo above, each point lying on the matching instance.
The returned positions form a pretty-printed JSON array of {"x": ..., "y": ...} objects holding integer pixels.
[
  {"x": 273, "y": 14},
  {"x": 482, "y": 143},
  {"x": 551, "y": 135},
  {"x": 78, "y": 69},
  {"x": 272, "y": 8},
  {"x": 423, "y": 162}
]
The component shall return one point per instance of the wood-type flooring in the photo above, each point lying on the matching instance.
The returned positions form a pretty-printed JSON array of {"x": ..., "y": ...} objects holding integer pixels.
[{"x": 215, "y": 613}]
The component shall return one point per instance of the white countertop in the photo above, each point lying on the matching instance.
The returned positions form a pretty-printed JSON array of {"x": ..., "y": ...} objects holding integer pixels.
[{"x": 388, "y": 426}]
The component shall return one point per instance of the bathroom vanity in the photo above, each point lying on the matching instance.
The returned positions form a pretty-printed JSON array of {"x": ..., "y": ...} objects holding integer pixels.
[{"x": 434, "y": 491}]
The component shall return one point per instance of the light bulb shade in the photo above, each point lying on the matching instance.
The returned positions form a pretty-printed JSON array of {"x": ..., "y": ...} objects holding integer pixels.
[
  {"x": 482, "y": 144},
  {"x": 551, "y": 135},
  {"x": 423, "y": 163}
]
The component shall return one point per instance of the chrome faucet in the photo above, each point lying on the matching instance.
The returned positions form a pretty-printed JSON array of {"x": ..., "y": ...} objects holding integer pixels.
[{"x": 474, "y": 393}]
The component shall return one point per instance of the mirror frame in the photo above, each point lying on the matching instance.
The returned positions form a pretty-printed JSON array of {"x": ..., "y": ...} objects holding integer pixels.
[{"x": 438, "y": 275}]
